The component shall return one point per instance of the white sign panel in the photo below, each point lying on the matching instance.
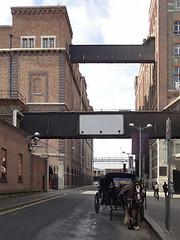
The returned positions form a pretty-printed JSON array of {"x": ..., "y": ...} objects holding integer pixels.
[{"x": 101, "y": 124}]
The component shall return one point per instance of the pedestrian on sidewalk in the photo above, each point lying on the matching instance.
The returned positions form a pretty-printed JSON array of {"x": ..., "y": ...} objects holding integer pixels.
[
  {"x": 171, "y": 189},
  {"x": 156, "y": 190},
  {"x": 165, "y": 188}
]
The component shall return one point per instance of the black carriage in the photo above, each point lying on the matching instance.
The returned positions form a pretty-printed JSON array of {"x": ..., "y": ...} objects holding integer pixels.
[{"x": 109, "y": 187}]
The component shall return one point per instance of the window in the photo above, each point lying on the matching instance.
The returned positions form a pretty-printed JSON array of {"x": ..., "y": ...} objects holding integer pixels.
[
  {"x": 48, "y": 41},
  {"x": 177, "y": 148},
  {"x": 177, "y": 4},
  {"x": 162, "y": 171},
  {"x": 20, "y": 164},
  {"x": 176, "y": 77},
  {"x": 177, "y": 50},
  {"x": 27, "y": 42},
  {"x": 3, "y": 176},
  {"x": 177, "y": 27}
]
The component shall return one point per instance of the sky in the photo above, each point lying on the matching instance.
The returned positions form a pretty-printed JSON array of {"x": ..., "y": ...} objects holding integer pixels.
[{"x": 109, "y": 86}]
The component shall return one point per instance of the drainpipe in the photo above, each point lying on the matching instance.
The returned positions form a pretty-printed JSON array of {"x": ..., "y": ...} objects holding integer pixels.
[
  {"x": 158, "y": 159},
  {"x": 15, "y": 114},
  {"x": 10, "y": 66},
  {"x": 81, "y": 140}
]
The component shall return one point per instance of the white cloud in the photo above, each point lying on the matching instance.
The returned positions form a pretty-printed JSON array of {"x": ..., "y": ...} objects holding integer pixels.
[
  {"x": 109, "y": 86},
  {"x": 127, "y": 23},
  {"x": 5, "y": 9}
]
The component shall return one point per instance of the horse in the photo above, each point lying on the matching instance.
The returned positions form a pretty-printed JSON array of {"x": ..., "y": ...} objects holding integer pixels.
[{"x": 132, "y": 197}]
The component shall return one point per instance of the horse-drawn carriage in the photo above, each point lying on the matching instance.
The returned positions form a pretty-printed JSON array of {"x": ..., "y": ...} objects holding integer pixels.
[{"x": 121, "y": 191}]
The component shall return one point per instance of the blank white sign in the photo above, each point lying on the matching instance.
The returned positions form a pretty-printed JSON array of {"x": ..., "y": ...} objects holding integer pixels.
[{"x": 101, "y": 124}]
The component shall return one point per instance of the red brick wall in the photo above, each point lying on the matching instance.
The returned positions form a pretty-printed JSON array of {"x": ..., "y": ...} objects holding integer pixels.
[
  {"x": 4, "y": 39},
  {"x": 29, "y": 22},
  {"x": 15, "y": 143},
  {"x": 39, "y": 172},
  {"x": 162, "y": 58}
]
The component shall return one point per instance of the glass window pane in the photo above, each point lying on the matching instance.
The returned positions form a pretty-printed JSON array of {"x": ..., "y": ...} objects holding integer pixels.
[
  {"x": 20, "y": 162},
  {"x": 177, "y": 27},
  {"x": 177, "y": 147},
  {"x": 31, "y": 42},
  {"x": 3, "y": 164},
  {"x": 175, "y": 70},
  {"x": 51, "y": 42},
  {"x": 25, "y": 43},
  {"x": 45, "y": 42}
]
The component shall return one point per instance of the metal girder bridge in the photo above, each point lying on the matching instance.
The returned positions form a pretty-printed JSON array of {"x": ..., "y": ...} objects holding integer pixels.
[
  {"x": 89, "y": 125},
  {"x": 144, "y": 53},
  {"x": 110, "y": 160}
]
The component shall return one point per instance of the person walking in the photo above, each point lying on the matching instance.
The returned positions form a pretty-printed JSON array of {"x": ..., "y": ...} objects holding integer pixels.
[
  {"x": 165, "y": 188},
  {"x": 156, "y": 191},
  {"x": 171, "y": 189}
]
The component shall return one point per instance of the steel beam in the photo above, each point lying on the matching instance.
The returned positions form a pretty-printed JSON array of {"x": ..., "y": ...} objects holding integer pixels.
[
  {"x": 144, "y": 53},
  {"x": 56, "y": 125}
]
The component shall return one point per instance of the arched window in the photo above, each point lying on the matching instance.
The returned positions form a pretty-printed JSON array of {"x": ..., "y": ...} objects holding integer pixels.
[
  {"x": 72, "y": 177},
  {"x": 68, "y": 176}
]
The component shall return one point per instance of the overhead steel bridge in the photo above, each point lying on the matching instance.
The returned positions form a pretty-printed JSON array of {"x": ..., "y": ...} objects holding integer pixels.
[{"x": 144, "y": 53}]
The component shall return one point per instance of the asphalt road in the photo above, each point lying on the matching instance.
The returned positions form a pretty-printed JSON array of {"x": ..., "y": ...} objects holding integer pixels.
[{"x": 66, "y": 217}]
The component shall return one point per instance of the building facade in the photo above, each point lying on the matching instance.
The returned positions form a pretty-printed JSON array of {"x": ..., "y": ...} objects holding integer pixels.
[
  {"x": 157, "y": 85},
  {"x": 20, "y": 170},
  {"x": 34, "y": 61}
]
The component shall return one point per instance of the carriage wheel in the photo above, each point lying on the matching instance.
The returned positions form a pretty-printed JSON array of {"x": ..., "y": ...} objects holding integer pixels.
[
  {"x": 142, "y": 213},
  {"x": 111, "y": 208},
  {"x": 96, "y": 203}
]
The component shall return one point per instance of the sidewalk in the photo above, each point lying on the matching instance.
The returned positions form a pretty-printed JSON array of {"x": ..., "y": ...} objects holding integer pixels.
[{"x": 155, "y": 215}]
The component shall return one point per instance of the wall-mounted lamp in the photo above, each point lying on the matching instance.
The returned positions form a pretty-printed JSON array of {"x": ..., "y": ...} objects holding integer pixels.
[{"x": 32, "y": 140}]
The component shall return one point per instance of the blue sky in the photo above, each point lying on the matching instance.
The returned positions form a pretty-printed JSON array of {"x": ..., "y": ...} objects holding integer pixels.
[{"x": 109, "y": 86}]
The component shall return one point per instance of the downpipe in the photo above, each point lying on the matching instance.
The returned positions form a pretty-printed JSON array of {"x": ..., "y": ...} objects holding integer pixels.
[{"x": 16, "y": 113}]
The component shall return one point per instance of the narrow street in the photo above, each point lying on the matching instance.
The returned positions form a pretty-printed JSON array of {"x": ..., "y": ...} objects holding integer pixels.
[{"x": 67, "y": 216}]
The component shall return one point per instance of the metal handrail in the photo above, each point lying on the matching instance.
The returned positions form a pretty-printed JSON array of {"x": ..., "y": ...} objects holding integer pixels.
[{"x": 13, "y": 94}]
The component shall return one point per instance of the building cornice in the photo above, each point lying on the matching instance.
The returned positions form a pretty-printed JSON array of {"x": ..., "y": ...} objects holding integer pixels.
[
  {"x": 30, "y": 51},
  {"x": 42, "y": 10},
  {"x": 37, "y": 10},
  {"x": 33, "y": 49}
]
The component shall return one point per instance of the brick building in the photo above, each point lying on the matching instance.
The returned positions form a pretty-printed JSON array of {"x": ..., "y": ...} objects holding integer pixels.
[
  {"x": 157, "y": 85},
  {"x": 21, "y": 171},
  {"x": 34, "y": 61}
]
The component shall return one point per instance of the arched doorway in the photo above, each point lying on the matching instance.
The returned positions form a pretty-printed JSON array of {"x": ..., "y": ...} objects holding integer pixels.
[{"x": 50, "y": 177}]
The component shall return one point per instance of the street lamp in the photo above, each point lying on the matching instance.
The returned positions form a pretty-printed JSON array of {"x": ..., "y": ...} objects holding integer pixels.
[{"x": 140, "y": 129}]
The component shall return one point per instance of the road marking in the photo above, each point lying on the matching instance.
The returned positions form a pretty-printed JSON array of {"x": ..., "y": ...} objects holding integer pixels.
[
  {"x": 30, "y": 204},
  {"x": 89, "y": 192}
]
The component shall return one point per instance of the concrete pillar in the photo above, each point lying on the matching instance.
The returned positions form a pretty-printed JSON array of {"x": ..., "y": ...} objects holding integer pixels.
[{"x": 61, "y": 175}]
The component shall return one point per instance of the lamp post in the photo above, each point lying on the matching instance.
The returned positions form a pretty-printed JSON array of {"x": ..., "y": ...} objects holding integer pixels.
[{"x": 140, "y": 129}]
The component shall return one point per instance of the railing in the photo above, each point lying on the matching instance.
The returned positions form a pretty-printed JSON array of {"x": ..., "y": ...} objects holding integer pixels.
[
  {"x": 110, "y": 159},
  {"x": 13, "y": 94}
]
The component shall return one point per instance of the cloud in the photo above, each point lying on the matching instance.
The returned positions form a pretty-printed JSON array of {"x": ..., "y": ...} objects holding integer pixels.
[
  {"x": 110, "y": 86},
  {"x": 5, "y": 9},
  {"x": 127, "y": 22}
]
